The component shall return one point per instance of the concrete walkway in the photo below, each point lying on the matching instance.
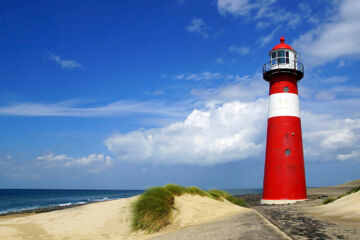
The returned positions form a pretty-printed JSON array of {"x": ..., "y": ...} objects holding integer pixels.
[{"x": 240, "y": 226}]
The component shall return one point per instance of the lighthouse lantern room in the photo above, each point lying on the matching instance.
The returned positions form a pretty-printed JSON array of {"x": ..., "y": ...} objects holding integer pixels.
[{"x": 284, "y": 175}]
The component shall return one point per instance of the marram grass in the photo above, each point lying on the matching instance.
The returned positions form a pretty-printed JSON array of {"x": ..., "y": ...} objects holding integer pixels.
[
  {"x": 152, "y": 211},
  {"x": 353, "y": 190}
]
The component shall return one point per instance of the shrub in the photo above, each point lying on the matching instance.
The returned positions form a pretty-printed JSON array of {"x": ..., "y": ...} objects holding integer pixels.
[
  {"x": 175, "y": 189},
  {"x": 353, "y": 190},
  {"x": 328, "y": 200},
  {"x": 196, "y": 191},
  {"x": 222, "y": 194},
  {"x": 152, "y": 211}
]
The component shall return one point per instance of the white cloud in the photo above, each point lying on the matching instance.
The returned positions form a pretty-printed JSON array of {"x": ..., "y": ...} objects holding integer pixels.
[
  {"x": 67, "y": 64},
  {"x": 262, "y": 24},
  {"x": 208, "y": 76},
  {"x": 244, "y": 88},
  {"x": 198, "y": 26},
  {"x": 229, "y": 124},
  {"x": 238, "y": 49},
  {"x": 51, "y": 160},
  {"x": 266, "y": 39},
  {"x": 233, "y": 131},
  {"x": 264, "y": 11},
  {"x": 333, "y": 40},
  {"x": 71, "y": 109},
  {"x": 354, "y": 155},
  {"x": 226, "y": 133},
  {"x": 235, "y": 7},
  {"x": 325, "y": 95},
  {"x": 329, "y": 139}
]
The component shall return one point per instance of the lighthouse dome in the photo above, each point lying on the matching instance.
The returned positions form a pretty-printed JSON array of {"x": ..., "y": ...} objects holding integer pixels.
[{"x": 282, "y": 45}]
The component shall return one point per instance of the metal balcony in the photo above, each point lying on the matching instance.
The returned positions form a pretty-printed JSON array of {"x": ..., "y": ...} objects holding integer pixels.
[{"x": 293, "y": 67}]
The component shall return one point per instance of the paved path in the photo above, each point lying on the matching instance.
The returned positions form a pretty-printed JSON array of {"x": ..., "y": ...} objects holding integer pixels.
[
  {"x": 296, "y": 223},
  {"x": 240, "y": 226}
]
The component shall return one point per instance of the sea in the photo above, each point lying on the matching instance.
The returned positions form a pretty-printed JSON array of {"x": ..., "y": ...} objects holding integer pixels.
[{"x": 20, "y": 200}]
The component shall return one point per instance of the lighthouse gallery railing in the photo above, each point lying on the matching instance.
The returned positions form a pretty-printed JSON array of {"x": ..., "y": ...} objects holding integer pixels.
[{"x": 296, "y": 65}]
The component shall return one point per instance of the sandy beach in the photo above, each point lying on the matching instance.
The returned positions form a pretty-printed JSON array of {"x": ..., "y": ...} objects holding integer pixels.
[
  {"x": 198, "y": 217},
  {"x": 110, "y": 220}
]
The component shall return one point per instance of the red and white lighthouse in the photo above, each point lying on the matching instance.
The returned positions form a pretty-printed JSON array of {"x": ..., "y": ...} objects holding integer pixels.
[{"x": 284, "y": 178}]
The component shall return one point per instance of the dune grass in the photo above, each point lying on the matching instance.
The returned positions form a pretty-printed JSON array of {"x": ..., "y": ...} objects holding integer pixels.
[
  {"x": 153, "y": 209},
  {"x": 353, "y": 190}
]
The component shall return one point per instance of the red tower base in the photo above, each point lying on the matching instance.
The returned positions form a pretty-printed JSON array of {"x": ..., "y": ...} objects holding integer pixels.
[{"x": 284, "y": 180}]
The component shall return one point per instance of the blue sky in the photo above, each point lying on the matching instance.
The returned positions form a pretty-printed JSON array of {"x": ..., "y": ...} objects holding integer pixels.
[{"x": 131, "y": 94}]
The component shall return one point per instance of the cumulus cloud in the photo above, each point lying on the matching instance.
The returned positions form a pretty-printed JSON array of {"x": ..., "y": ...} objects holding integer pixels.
[
  {"x": 333, "y": 40},
  {"x": 329, "y": 139},
  {"x": 226, "y": 133},
  {"x": 52, "y": 160},
  {"x": 66, "y": 64},
  {"x": 233, "y": 131},
  {"x": 229, "y": 124},
  {"x": 198, "y": 26}
]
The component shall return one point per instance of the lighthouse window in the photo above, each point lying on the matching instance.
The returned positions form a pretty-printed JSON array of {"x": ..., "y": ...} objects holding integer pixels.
[
  {"x": 287, "y": 57},
  {"x": 287, "y": 152},
  {"x": 286, "y": 89},
  {"x": 280, "y": 57}
]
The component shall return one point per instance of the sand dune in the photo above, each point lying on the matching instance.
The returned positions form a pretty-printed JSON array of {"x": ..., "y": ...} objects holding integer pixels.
[
  {"x": 346, "y": 209},
  {"x": 109, "y": 220}
]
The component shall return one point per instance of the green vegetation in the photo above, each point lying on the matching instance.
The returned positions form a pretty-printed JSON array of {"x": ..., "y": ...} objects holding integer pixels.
[
  {"x": 328, "y": 200},
  {"x": 227, "y": 196},
  {"x": 153, "y": 209},
  {"x": 353, "y": 190}
]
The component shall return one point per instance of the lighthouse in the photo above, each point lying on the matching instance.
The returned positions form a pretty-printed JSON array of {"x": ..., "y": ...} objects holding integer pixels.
[{"x": 284, "y": 175}]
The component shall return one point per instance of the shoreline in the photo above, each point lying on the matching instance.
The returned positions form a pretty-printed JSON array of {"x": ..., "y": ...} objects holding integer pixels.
[
  {"x": 52, "y": 208},
  {"x": 253, "y": 199},
  {"x": 30, "y": 211},
  {"x": 291, "y": 221},
  {"x": 45, "y": 209}
]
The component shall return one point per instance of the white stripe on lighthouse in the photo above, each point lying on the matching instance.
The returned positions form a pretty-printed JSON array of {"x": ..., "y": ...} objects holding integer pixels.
[{"x": 284, "y": 104}]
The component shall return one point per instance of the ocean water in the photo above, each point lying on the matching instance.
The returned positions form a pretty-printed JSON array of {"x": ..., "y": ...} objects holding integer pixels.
[{"x": 14, "y": 200}]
